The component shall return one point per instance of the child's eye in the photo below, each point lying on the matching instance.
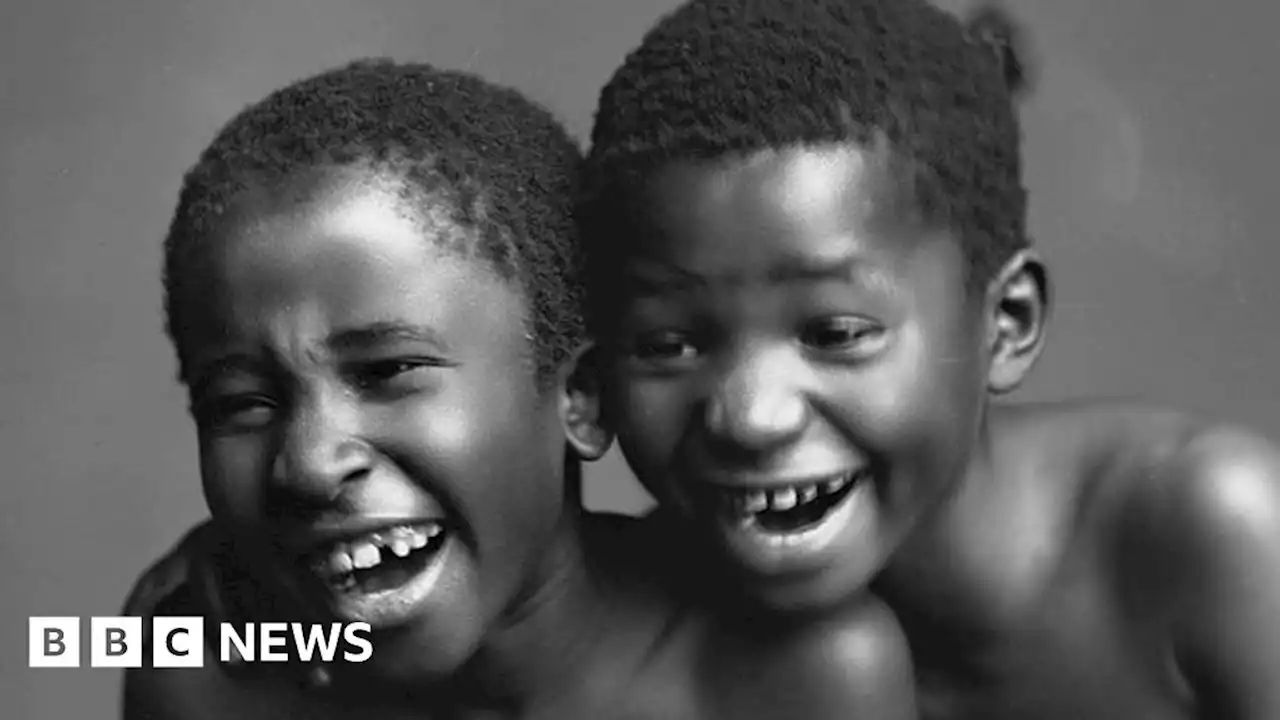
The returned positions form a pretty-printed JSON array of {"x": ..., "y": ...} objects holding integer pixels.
[
  {"x": 240, "y": 412},
  {"x": 663, "y": 347},
  {"x": 849, "y": 336},
  {"x": 388, "y": 375}
]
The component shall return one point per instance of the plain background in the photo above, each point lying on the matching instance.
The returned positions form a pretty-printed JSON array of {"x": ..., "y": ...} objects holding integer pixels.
[{"x": 1151, "y": 155}]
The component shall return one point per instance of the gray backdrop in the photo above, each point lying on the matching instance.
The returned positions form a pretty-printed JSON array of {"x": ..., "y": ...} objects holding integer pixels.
[{"x": 1150, "y": 148}]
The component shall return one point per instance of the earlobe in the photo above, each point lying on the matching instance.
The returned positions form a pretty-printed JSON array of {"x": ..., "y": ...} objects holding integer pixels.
[
  {"x": 1018, "y": 309},
  {"x": 580, "y": 405}
]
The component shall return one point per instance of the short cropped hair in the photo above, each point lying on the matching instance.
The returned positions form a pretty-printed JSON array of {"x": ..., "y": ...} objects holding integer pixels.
[
  {"x": 725, "y": 77},
  {"x": 506, "y": 168}
]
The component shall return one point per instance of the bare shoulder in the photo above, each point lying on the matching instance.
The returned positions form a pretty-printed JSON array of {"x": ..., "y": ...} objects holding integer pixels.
[
  {"x": 1121, "y": 457},
  {"x": 863, "y": 649},
  {"x": 1232, "y": 470},
  {"x": 1182, "y": 516},
  {"x": 1185, "y": 483},
  {"x": 854, "y": 663},
  {"x": 1214, "y": 502},
  {"x": 1097, "y": 434},
  {"x": 167, "y": 576},
  {"x": 1203, "y": 534},
  {"x": 1211, "y": 492}
]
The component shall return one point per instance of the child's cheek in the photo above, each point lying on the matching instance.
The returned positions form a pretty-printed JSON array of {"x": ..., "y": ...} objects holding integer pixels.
[
  {"x": 908, "y": 401},
  {"x": 650, "y": 415},
  {"x": 234, "y": 473}
]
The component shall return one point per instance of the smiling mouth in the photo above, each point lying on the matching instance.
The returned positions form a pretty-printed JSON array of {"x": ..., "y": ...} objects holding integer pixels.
[
  {"x": 783, "y": 509},
  {"x": 378, "y": 561}
]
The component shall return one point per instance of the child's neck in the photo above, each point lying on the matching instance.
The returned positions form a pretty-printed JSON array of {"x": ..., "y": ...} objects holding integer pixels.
[
  {"x": 935, "y": 577},
  {"x": 546, "y": 642},
  {"x": 971, "y": 570},
  {"x": 567, "y": 627}
]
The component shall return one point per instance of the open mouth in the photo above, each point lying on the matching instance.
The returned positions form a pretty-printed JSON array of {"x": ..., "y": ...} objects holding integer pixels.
[
  {"x": 785, "y": 509},
  {"x": 378, "y": 561}
]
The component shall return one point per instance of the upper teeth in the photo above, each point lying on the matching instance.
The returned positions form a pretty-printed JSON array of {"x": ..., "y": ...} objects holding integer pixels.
[
  {"x": 365, "y": 555},
  {"x": 788, "y": 497},
  {"x": 783, "y": 499},
  {"x": 367, "y": 551}
]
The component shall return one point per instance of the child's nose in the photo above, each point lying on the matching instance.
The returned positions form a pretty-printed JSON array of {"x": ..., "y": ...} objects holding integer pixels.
[
  {"x": 758, "y": 404},
  {"x": 320, "y": 451}
]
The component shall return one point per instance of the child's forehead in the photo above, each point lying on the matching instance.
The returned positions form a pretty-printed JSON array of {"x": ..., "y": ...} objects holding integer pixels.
[
  {"x": 797, "y": 217},
  {"x": 310, "y": 192},
  {"x": 351, "y": 202},
  {"x": 343, "y": 227},
  {"x": 347, "y": 257},
  {"x": 830, "y": 189}
]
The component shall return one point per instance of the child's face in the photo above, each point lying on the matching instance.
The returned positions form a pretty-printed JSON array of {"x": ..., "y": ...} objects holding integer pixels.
[
  {"x": 798, "y": 368},
  {"x": 365, "y": 402}
]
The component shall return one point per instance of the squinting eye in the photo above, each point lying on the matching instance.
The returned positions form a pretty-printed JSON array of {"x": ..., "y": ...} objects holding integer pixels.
[
  {"x": 663, "y": 347},
  {"x": 845, "y": 335},
  {"x": 236, "y": 412},
  {"x": 384, "y": 373}
]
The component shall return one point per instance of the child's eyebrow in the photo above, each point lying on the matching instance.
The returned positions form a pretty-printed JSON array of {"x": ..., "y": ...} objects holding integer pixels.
[
  {"x": 366, "y": 337},
  {"x": 650, "y": 277},
  {"x": 840, "y": 269},
  {"x": 207, "y": 373}
]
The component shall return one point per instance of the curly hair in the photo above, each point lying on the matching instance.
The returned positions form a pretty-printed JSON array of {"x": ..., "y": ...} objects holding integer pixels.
[
  {"x": 727, "y": 77},
  {"x": 505, "y": 167}
]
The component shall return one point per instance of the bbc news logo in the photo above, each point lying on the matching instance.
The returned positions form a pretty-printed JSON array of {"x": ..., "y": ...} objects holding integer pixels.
[{"x": 179, "y": 642}]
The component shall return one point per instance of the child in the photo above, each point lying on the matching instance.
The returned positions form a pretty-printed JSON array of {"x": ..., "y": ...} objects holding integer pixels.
[
  {"x": 811, "y": 273},
  {"x": 371, "y": 283}
]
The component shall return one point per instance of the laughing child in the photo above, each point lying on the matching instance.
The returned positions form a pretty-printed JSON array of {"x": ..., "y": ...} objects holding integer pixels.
[{"x": 811, "y": 277}]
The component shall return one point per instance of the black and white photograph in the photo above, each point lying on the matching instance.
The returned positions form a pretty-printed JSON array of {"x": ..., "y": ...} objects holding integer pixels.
[{"x": 640, "y": 360}]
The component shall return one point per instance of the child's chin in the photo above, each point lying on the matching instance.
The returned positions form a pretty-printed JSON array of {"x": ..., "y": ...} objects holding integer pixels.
[
  {"x": 419, "y": 654},
  {"x": 816, "y": 592}
]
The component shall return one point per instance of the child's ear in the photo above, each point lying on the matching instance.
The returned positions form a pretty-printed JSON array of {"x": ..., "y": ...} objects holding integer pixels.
[
  {"x": 1018, "y": 303},
  {"x": 580, "y": 404}
]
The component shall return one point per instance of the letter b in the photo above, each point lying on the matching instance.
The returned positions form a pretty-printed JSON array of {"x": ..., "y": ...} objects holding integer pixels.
[
  {"x": 54, "y": 641},
  {"x": 115, "y": 642}
]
